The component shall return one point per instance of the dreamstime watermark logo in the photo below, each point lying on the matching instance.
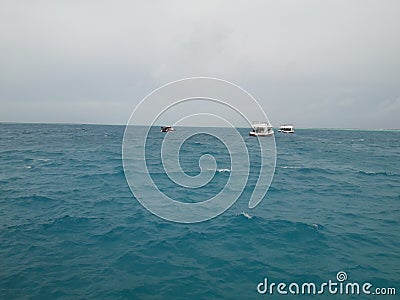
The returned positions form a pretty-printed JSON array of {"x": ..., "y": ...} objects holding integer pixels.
[
  {"x": 333, "y": 287},
  {"x": 205, "y": 105}
]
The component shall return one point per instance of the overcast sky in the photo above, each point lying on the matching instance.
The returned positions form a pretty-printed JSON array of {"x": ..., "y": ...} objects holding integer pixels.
[{"x": 311, "y": 63}]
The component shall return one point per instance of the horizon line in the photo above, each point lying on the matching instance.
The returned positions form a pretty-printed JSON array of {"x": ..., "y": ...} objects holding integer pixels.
[{"x": 109, "y": 124}]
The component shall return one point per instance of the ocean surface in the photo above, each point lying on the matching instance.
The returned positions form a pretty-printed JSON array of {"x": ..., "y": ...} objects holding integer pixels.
[{"x": 70, "y": 227}]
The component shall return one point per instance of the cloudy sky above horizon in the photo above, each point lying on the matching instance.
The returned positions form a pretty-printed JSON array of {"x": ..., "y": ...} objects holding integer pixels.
[{"x": 311, "y": 63}]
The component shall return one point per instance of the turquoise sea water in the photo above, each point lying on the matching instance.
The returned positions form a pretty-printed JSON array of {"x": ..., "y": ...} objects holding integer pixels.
[{"x": 70, "y": 227}]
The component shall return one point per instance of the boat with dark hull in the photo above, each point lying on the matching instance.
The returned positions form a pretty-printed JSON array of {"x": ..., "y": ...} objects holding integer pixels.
[{"x": 167, "y": 129}]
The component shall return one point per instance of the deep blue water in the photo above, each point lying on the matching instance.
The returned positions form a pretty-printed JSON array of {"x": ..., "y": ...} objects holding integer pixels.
[{"x": 70, "y": 227}]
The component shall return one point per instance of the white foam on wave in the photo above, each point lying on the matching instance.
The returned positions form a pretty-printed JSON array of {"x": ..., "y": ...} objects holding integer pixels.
[
  {"x": 223, "y": 170},
  {"x": 367, "y": 172},
  {"x": 246, "y": 215},
  {"x": 377, "y": 173},
  {"x": 44, "y": 159}
]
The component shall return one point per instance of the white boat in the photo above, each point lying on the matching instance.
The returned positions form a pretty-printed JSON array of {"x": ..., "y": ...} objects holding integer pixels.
[
  {"x": 286, "y": 128},
  {"x": 261, "y": 129}
]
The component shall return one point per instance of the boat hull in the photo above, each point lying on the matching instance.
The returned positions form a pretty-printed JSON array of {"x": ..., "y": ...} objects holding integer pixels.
[
  {"x": 283, "y": 131},
  {"x": 252, "y": 133},
  {"x": 167, "y": 129}
]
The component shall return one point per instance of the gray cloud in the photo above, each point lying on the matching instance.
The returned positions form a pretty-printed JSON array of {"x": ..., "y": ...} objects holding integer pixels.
[{"x": 313, "y": 63}]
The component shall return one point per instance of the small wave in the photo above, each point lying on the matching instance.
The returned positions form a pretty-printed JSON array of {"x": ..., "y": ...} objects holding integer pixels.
[
  {"x": 223, "y": 170},
  {"x": 289, "y": 167},
  {"x": 67, "y": 222},
  {"x": 34, "y": 200},
  {"x": 311, "y": 170},
  {"x": 219, "y": 170},
  {"x": 28, "y": 167},
  {"x": 317, "y": 226},
  {"x": 244, "y": 214},
  {"x": 372, "y": 173},
  {"x": 44, "y": 159},
  {"x": 106, "y": 174}
]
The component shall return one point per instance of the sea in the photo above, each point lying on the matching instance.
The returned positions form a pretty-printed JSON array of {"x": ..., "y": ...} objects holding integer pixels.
[{"x": 71, "y": 228}]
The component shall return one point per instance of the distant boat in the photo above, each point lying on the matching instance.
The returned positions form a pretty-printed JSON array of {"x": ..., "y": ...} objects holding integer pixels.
[
  {"x": 286, "y": 128},
  {"x": 261, "y": 129},
  {"x": 167, "y": 129}
]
